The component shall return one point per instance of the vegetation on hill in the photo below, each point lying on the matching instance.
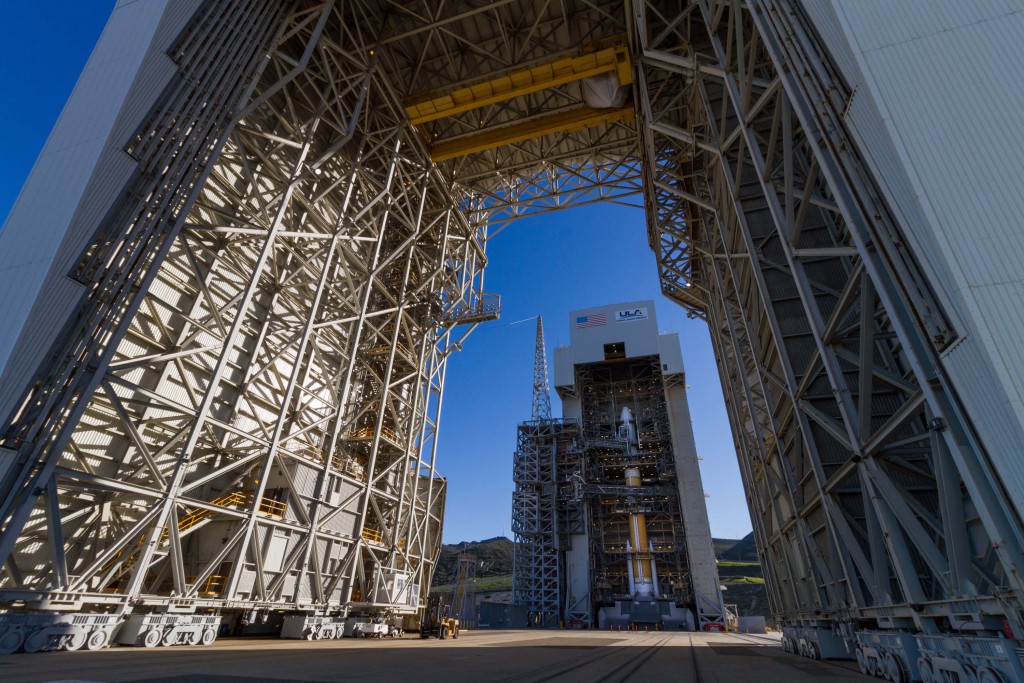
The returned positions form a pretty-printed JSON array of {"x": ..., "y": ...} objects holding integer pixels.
[
  {"x": 743, "y": 550},
  {"x": 740, "y": 572},
  {"x": 494, "y": 559}
]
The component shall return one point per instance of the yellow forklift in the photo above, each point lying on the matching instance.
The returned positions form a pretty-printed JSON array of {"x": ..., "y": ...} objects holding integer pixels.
[{"x": 437, "y": 620}]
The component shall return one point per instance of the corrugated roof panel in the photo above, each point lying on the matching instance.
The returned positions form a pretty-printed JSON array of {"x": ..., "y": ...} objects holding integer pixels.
[
  {"x": 890, "y": 23},
  {"x": 823, "y": 16}
]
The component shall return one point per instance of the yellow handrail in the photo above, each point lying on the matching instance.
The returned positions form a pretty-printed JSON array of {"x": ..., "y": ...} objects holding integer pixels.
[
  {"x": 274, "y": 508},
  {"x": 366, "y": 433},
  {"x": 214, "y": 584},
  {"x": 234, "y": 498}
]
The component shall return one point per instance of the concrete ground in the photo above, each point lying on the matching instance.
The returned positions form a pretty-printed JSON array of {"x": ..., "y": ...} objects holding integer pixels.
[{"x": 493, "y": 656}]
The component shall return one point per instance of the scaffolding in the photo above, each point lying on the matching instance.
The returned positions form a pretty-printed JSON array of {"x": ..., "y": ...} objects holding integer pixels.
[
  {"x": 243, "y": 414},
  {"x": 604, "y": 389},
  {"x": 544, "y": 514},
  {"x": 574, "y": 502}
]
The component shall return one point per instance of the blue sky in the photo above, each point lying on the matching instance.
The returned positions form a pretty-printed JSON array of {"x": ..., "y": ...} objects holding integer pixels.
[{"x": 547, "y": 265}]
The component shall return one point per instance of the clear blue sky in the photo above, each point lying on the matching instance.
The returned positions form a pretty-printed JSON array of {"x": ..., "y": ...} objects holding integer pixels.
[{"x": 548, "y": 265}]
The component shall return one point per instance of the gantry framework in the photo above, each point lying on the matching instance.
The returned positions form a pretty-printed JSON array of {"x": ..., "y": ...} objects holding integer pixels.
[
  {"x": 604, "y": 389},
  {"x": 545, "y": 514},
  {"x": 870, "y": 496},
  {"x": 245, "y": 411},
  {"x": 269, "y": 308}
]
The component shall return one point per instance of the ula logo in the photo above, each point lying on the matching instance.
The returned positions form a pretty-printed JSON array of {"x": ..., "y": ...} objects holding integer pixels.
[{"x": 631, "y": 314}]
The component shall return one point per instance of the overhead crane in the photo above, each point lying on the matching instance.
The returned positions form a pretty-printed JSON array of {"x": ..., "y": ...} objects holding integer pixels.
[{"x": 425, "y": 108}]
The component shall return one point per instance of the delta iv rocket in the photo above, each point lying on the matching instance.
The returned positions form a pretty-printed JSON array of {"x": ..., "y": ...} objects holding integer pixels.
[{"x": 643, "y": 573}]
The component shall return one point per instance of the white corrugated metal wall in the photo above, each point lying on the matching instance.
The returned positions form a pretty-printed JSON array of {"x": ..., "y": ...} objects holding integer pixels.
[
  {"x": 938, "y": 111},
  {"x": 84, "y": 156}
]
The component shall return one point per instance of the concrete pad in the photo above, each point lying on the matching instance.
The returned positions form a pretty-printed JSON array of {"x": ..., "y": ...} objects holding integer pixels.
[{"x": 525, "y": 656}]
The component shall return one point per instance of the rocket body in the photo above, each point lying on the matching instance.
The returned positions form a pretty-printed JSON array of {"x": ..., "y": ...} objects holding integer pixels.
[
  {"x": 641, "y": 568},
  {"x": 637, "y": 549}
]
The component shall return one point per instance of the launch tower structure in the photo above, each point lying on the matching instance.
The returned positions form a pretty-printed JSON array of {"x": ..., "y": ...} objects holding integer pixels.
[{"x": 609, "y": 512}]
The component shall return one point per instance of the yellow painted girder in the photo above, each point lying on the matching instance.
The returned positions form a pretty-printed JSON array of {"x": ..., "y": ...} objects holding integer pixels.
[
  {"x": 521, "y": 82},
  {"x": 562, "y": 122}
]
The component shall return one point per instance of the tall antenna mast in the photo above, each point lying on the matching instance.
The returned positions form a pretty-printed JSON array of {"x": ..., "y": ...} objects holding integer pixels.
[{"x": 541, "y": 393}]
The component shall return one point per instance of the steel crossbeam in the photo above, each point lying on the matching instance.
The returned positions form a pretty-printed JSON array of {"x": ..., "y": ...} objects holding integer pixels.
[
  {"x": 316, "y": 237},
  {"x": 845, "y": 441}
]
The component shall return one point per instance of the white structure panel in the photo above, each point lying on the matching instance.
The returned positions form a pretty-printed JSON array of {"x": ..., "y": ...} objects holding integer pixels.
[
  {"x": 699, "y": 547},
  {"x": 944, "y": 80},
  {"x": 564, "y": 376},
  {"x": 671, "y": 354},
  {"x": 632, "y": 322},
  {"x": 46, "y": 232}
]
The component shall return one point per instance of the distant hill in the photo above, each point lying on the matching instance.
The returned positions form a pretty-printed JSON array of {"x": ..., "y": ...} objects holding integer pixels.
[
  {"x": 740, "y": 572},
  {"x": 723, "y": 545},
  {"x": 743, "y": 550},
  {"x": 494, "y": 558}
]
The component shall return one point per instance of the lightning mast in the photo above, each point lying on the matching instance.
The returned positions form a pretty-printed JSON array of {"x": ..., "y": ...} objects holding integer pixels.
[{"x": 541, "y": 392}]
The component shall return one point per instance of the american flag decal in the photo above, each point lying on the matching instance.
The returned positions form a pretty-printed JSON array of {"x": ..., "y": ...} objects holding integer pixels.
[{"x": 595, "y": 320}]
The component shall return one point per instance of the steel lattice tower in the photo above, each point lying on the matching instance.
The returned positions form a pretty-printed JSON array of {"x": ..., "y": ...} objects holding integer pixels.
[{"x": 541, "y": 391}]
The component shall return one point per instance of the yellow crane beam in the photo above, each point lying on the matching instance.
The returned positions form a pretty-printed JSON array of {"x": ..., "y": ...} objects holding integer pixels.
[
  {"x": 562, "y": 122},
  {"x": 423, "y": 108}
]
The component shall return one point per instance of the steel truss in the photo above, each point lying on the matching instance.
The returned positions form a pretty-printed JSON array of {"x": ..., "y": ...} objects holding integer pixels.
[
  {"x": 603, "y": 390},
  {"x": 439, "y": 48},
  {"x": 546, "y": 456},
  {"x": 570, "y": 488},
  {"x": 872, "y": 501},
  {"x": 248, "y": 415}
]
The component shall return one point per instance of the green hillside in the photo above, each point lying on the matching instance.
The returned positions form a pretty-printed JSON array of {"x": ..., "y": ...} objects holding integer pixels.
[
  {"x": 740, "y": 572},
  {"x": 494, "y": 559}
]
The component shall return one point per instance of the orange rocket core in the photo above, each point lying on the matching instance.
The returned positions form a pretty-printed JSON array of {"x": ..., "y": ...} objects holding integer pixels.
[{"x": 641, "y": 559}]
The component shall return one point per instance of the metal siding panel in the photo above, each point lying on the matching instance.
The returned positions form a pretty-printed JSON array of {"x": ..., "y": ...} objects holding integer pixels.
[
  {"x": 564, "y": 371},
  {"x": 692, "y": 504},
  {"x": 822, "y": 15},
  {"x": 869, "y": 129},
  {"x": 640, "y": 336},
  {"x": 944, "y": 79},
  {"x": 671, "y": 354},
  {"x": 43, "y": 238},
  {"x": 38, "y": 221}
]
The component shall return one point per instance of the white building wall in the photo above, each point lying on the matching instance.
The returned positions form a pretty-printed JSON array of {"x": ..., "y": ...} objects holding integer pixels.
[
  {"x": 700, "y": 549},
  {"x": 671, "y": 354},
  {"x": 937, "y": 111},
  {"x": 633, "y": 323},
  {"x": 563, "y": 371},
  {"x": 78, "y": 176},
  {"x": 577, "y": 568}
]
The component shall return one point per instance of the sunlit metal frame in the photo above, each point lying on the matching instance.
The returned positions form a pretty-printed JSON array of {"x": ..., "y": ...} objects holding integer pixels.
[
  {"x": 293, "y": 333},
  {"x": 870, "y": 495},
  {"x": 280, "y": 290}
]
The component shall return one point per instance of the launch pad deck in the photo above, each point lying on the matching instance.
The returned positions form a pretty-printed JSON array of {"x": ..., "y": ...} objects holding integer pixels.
[{"x": 523, "y": 656}]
